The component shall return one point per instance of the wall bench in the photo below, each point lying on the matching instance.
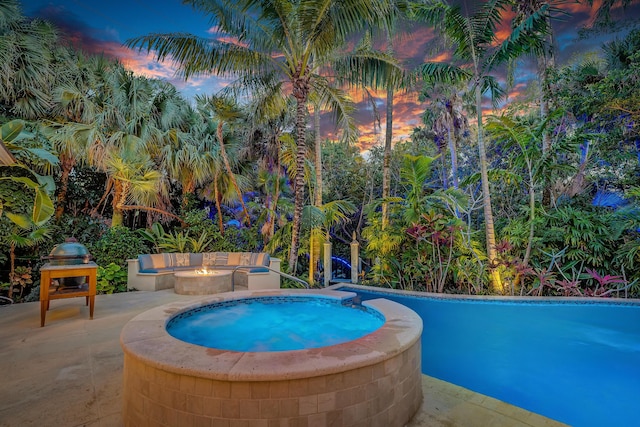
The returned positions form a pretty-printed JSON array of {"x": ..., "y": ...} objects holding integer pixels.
[{"x": 153, "y": 272}]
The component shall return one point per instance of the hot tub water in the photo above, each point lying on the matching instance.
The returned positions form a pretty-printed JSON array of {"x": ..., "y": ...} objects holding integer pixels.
[{"x": 261, "y": 324}]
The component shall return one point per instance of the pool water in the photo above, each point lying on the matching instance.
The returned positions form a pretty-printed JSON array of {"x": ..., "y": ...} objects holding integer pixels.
[
  {"x": 578, "y": 363},
  {"x": 274, "y": 324}
]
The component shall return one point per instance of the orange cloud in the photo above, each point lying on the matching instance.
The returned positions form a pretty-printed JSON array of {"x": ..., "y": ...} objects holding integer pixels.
[
  {"x": 145, "y": 64},
  {"x": 443, "y": 57}
]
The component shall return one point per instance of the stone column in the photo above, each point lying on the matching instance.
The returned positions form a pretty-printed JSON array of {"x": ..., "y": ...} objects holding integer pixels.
[
  {"x": 327, "y": 264},
  {"x": 355, "y": 259}
]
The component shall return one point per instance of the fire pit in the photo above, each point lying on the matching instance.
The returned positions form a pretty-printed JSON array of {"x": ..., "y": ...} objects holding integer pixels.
[{"x": 202, "y": 282}]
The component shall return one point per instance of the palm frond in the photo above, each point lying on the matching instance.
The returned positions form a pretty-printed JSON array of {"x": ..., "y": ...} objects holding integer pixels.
[
  {"x": 340, "y": 105},
  {"x": 444, "y": 73},
  {"x": 195, "y": 55},
  {"x": 526, "y": 37},
  {"x": 369, "y": 68}
]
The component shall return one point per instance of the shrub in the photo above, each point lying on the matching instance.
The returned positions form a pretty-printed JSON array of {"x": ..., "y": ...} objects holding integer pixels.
[
  {"x": 116, "y": 246},
  {"x": 111, "y": 278}
]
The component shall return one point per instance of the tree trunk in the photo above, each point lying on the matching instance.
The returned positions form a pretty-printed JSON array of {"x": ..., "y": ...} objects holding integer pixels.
[
  {"x": 314, "y": 252},
  {"x": 496, "y": 280},
  {"x": 301, "y": 93},
  {"x": 119, "y": 198},
  {"x": 318, "y": 149},
  {"x": 453, "y": 152},
  {"x": 218, "y": 202},
  {"x": 188, "y": 187},
  {"x": 545, "y": 62},
  {"x": 544, "y": 113},
  {"x": 386, "y": 164},
  {"x": 532, "y": 217},
  {"x": 276, "y": 196},
  {"x": 12, "y": 266},
  {"x": 67, "y": 163}
]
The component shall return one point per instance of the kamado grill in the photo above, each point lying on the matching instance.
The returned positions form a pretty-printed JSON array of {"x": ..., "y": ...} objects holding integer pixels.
[
  {"x": 69, "y": 273},
  {"x": 69, "y": 253}
]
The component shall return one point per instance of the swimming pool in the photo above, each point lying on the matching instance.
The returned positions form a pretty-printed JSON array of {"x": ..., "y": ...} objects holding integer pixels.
[{"x": 577, "y": 362}]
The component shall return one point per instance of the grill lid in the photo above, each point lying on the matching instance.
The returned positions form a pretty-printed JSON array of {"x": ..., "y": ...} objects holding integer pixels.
[{"x": 69, "y": 252}]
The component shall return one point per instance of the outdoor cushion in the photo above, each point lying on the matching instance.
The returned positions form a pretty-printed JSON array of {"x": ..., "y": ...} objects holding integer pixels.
[
  {"x": 195, "y": 260},
  {"x": 180, "y": 260},
  {"x": 253, "y": 270},
  {"x": 157, "y": 263},
  {"x": 150, "y": 263},
  {"x": 187, "y": 268},
  {"x": 157, "y": 270},
  {"x": 214, "y": 258}
]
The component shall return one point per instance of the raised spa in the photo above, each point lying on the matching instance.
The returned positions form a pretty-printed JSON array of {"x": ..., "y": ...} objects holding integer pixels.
[
  {"x": 274, "y": 323},
  {"x": 371, "y": 376}
]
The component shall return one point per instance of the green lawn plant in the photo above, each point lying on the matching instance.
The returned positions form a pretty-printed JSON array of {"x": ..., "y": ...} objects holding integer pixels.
[
  {"x": 111, "y": 278},
  {"x": 117, "y": 245}
]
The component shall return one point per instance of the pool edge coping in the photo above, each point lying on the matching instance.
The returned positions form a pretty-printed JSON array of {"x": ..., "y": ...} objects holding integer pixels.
[
  {"x": 145, "y": 338},
  {"x": 503, "y": 298}
]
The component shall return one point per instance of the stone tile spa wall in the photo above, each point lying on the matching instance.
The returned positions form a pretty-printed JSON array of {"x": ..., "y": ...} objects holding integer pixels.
[{"x": 371, "y": 381}]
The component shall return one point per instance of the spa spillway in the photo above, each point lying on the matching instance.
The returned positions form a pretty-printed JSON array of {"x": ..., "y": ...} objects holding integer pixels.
[{"x": 371, "y": 380}]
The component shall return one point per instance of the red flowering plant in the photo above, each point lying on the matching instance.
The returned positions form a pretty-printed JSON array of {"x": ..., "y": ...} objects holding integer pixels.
[
  {"x": 430, "y": 259},
  {"x": 603, "y": 284}
]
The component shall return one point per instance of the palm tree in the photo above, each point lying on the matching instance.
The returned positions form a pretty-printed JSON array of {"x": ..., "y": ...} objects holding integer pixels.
[
  {"x": 265, "y": 139},
  {"x": 221, "y": 190},
  {"x": 120, "y": 122},
  {"x": 524, "y": 135},
  {"x": 77, "y": 112},
  {"x": 444, "y": 115},
  {"x": 132, "y": 178},
  {"x": 476, "y": 44},
  {"x": 226, "y": 111},
  {"x": 545, "y": 60},
  {"x": 29, "y": 54},
  {"x": 388, "y": 137},
  {"x": 280, "y": 45},
  {"x": 602, "y": 16},
  {"x": 188, "y": 158}
]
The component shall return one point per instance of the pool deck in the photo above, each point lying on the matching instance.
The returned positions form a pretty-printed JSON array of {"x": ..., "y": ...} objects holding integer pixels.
[{"x": 69, "y": 373}]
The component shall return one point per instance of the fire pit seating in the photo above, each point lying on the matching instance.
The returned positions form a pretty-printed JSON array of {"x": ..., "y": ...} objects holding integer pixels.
[{"x": 153, "y": 272}]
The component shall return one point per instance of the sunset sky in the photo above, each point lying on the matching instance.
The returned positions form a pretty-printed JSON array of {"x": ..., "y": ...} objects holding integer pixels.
[{"x": 103, "y": 26}]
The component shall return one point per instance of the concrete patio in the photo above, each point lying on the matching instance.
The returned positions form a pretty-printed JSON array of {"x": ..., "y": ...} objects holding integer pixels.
[{"x": 69, "y": 373}]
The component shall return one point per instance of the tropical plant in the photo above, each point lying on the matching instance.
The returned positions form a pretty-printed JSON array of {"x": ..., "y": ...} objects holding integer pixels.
[
  {"x": 276, "y": 48},
  {"x": 31, "y": 63},
  {"x": 11, "y": 135},
  {"x": 24, "y": 235},
  {"x": 545, "y": 57},
  {"x": 226, "y": 111},
  {"x": 431, "y": 261},
  {"x": 19, "y": 280},
  {"x": 318, "y": 222},
  {"x": 476, "y": 43},
  {"x": 111, "y": 278},
  {"x": 117, "y": 245},
  {"x": 523, "y": 136},
  {"x": 79, "y": 104},
  {"x": 444, "y": 115},
  {"x": 406, "y": 245}
]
